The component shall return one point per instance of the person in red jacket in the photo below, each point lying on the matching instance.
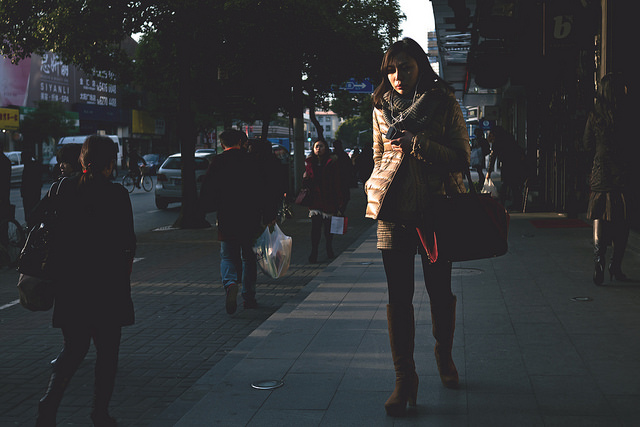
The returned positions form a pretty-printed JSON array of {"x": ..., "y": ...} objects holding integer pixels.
[{"x": 322, "y": 177}]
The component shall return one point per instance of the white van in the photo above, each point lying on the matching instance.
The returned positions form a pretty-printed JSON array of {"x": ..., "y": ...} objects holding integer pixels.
[{"x": 79, "y": 139}]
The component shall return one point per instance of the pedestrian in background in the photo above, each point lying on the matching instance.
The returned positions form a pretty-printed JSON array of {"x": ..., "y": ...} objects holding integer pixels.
[
  {"x": 513, "y": 168},
  {"x": 94, "y": 248},
  {"x": 480, "y": 148},
  {"x": 31, "y": 185},
  {"x": 235, "y": 187},
  {"x": 69, "y": 160},
  {"x": 608, "y": 136},
  {"x": 322, "y": 177},
  {"x": 423, "y": 157},
  {"x": 68, "y": 157}
]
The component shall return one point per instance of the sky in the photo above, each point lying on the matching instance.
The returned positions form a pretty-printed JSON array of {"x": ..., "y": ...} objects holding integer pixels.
[{"x": 419, "y": 20}]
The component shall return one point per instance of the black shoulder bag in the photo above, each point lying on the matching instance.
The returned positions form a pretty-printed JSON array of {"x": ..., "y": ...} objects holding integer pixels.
[{"x": 35, "y": 285}]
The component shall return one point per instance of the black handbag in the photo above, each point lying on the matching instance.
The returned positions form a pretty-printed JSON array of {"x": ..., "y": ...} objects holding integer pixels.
[
  {"x": 35, "y": 285},
  {"x": 465, "y": 227}
]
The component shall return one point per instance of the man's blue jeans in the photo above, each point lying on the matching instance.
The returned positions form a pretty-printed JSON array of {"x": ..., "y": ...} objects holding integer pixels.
[{"x": 238, "y": 263}]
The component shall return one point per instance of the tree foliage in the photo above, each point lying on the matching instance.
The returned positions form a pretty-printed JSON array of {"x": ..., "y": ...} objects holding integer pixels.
[{"x": 49, "y": 120}]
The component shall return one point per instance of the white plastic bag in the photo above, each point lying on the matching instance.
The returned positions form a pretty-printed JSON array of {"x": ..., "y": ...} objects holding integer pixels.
[
  {"x": 273, "y": 250},
  {"x": 490, "y": 187}
]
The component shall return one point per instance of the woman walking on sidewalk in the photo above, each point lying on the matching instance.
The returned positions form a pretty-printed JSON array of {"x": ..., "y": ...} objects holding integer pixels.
[
  {"x": 420, "y": 145},
  {"x": 91, "y": 264},
  {"x": 322, "y": 177},
  {"x": 609, "y": 137}
]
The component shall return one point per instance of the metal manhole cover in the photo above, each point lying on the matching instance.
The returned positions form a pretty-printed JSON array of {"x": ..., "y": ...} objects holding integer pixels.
[
  {"x": 466, "y": 271},
  {"x": 581, "y": 299},
  {"x": 267, "y": 384},
  {"x": 165, "y": 228}
]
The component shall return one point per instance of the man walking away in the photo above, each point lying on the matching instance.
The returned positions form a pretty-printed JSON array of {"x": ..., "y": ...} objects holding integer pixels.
[{"x": 234, "y": 187}]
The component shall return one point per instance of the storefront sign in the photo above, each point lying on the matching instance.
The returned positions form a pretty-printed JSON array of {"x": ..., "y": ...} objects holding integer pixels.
[{"x": 9, "y": 118}]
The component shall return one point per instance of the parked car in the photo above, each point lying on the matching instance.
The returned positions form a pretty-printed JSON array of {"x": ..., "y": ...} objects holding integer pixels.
[
  {"x": 16, "y": 166},
  {"x": 169, "y": 178},
  {"x": 153, "y": 162}
]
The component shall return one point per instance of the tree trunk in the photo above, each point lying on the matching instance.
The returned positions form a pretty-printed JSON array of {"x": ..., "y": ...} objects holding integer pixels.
[{"x": 190, "y": 214}]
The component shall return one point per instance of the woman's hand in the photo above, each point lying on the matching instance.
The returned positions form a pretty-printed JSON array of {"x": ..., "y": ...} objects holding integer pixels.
[{"x": 403, "y": 143}]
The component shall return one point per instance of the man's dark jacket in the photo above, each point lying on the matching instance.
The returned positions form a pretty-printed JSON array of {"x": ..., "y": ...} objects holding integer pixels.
[{"x": 235, "y": 187}]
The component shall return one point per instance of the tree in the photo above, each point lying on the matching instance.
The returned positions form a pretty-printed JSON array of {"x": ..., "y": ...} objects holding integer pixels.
[
  {"x": 355, "y": 131},
  {"x": 89, "y": 34},
  {"x": 49, "y": 120}
]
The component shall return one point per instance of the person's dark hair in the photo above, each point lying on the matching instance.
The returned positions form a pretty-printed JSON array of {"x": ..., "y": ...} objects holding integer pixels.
[
  {"x": 409, "y": 46},
  {"x": 337, "y": 145},
  {"x": 231, "y": 138},
  {"x": 70, "y": 153},
  {"x": 610, "y": 98},
  {"x": 95, "y": 156}
]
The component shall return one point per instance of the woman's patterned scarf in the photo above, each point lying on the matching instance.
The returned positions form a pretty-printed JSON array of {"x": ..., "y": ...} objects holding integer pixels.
[{"x": 408, "y": 114}]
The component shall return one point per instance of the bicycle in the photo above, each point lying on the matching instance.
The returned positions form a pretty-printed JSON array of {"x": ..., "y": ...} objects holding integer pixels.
[
  {"x": 11, "y": 247},
  {"x": 130, "y": 182}
]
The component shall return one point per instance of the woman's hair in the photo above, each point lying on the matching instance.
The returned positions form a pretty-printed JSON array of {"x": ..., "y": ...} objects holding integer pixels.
[
  {"x": 413, "y": 49},
  {"x": 96, "y": 155},
  {"x": 610, "y": 98}
]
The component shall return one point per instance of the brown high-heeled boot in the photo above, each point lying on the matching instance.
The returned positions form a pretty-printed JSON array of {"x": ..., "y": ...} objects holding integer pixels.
[
  {"x": 401, "y": 324},
  {"x": 444, "y": 324}
]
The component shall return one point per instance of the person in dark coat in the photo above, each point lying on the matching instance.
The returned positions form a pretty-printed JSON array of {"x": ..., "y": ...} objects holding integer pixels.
[
  {"x": 272, "y": 172},
  {"x": 235, "y": 187},
  {"x": 480, "y": 148},
  {"x": 31, "y": 185},
  {"x": 94, "y": 243},
  {"x": 513, "y": 173},
  {"x": 322, "y": 177},
  {"x": 608, "y": 136}
]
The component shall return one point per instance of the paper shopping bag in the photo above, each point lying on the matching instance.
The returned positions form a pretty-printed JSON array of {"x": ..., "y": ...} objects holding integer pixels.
[{"x": 339, "y": 224}]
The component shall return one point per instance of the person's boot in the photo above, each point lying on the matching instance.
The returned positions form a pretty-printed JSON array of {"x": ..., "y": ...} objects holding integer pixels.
[
  {"x": 329, "y": 239},
  {"x": 443, "y": 320},
  {"x": 401, "y": 326},
  {"x": 620, "y": 238},
  {"x": 102, "y": 392},
  {"x": 48, "y": 405},
  {"x": 316, "y": 229},
  {"x": 313, "y": 257},
  {"x": 599, "y": 250}
]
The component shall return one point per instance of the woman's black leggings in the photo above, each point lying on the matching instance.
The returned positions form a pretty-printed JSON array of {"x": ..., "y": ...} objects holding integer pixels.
[
  {"x": 77, "y": 340},
  {"x": 399, "y": 268}
]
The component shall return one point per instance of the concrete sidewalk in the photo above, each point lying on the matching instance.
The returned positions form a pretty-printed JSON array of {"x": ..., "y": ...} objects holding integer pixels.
[{"x": 536, "y": 344}]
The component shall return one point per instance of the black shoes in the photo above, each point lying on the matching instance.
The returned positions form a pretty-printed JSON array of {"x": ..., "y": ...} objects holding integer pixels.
[{"x": 598, "y": 273}]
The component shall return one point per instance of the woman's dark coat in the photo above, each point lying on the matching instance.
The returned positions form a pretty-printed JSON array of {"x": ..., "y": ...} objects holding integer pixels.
[
  {"x": 324, "y": 182},
  {"x": 94, "y": 245}
]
